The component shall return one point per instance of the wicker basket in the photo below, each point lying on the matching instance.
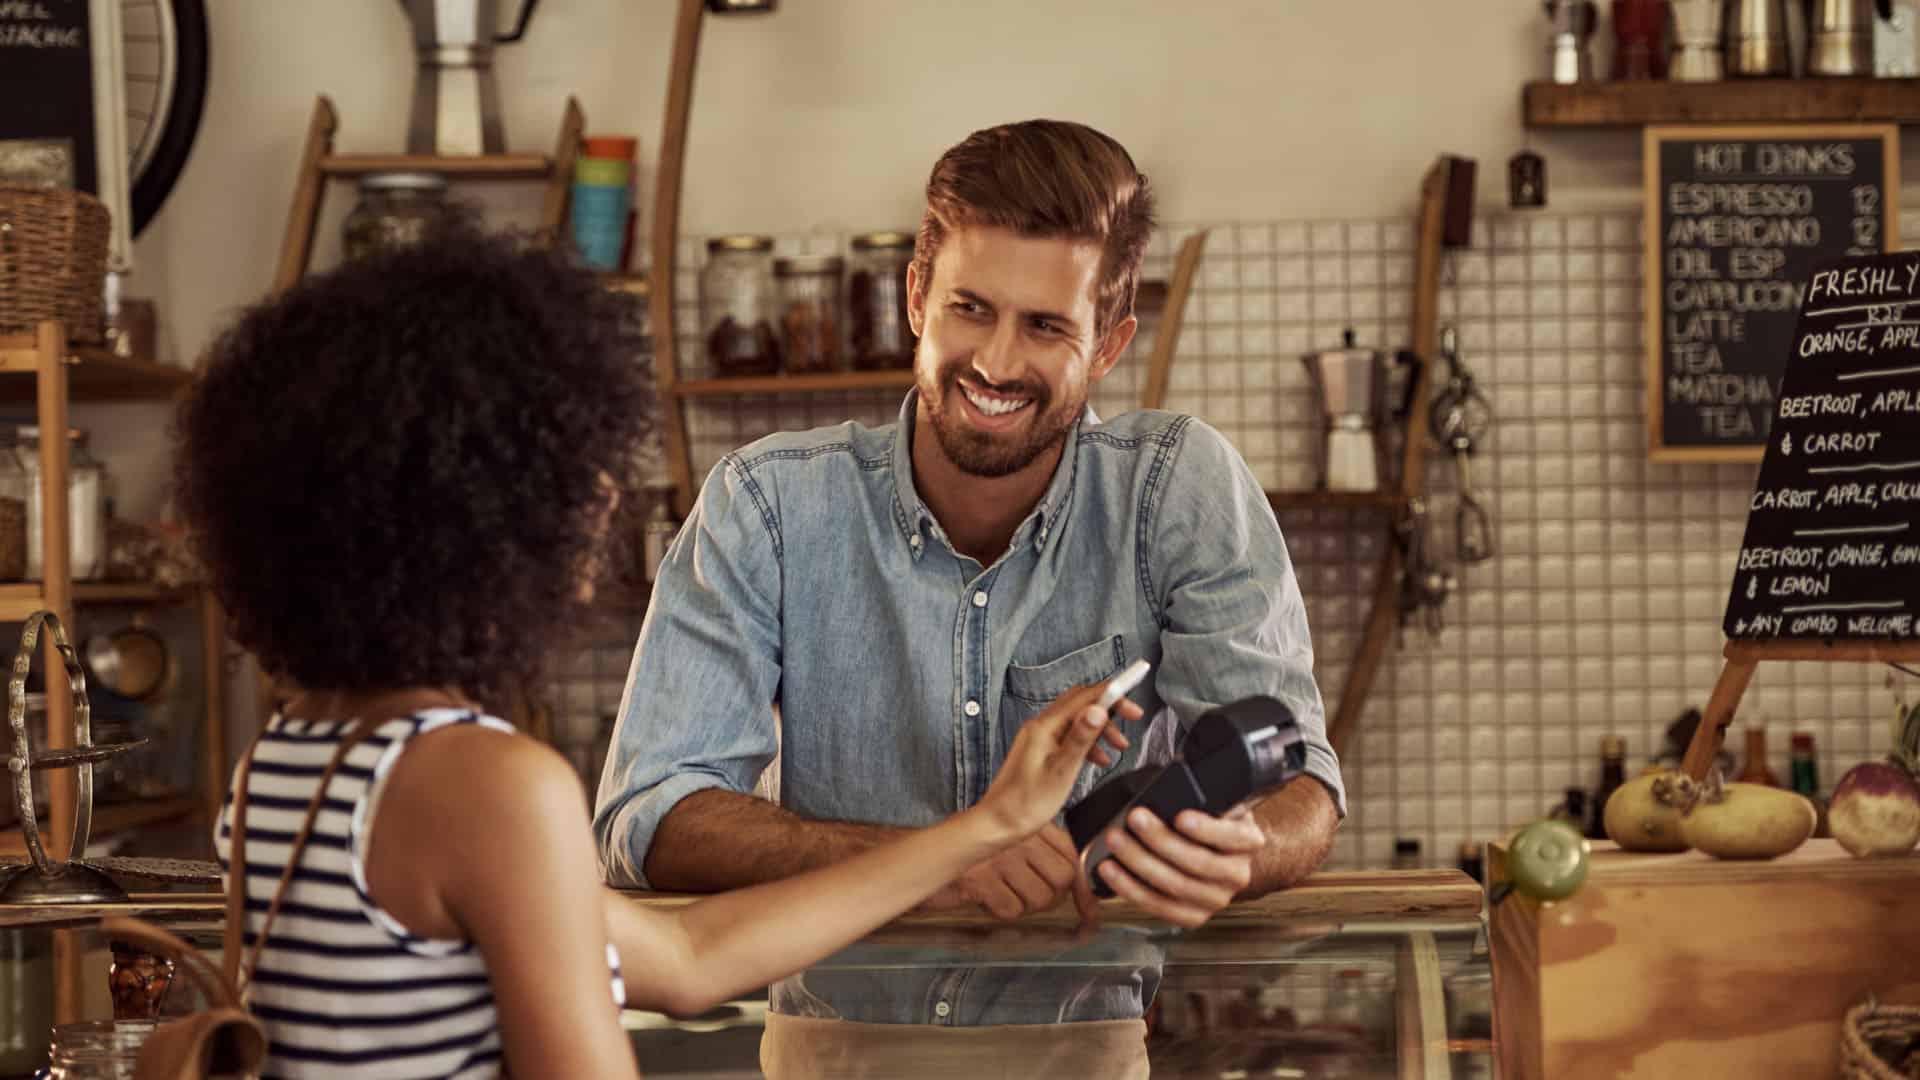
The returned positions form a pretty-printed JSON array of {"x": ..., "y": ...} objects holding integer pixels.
[
  {"x": 53, "y": 260},
  {"x": 1880, "y": 1042}
]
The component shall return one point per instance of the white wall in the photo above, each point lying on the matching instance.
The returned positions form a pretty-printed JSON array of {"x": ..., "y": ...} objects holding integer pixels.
[{"x": 828, "y": 114}]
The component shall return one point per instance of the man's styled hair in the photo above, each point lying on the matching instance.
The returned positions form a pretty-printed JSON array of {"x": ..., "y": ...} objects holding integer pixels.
[{"x": 1045, "y": 178}]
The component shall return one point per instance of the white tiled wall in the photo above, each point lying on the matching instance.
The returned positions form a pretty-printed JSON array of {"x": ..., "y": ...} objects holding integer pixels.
[{"x": 1600, "y": 612}]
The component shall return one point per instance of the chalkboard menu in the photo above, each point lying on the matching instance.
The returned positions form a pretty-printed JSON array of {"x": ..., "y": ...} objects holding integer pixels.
[
  {"x": 1736, "y": 218},
  {"x": 1832, "y": 550},
  {"x": 47, "y": 127}
]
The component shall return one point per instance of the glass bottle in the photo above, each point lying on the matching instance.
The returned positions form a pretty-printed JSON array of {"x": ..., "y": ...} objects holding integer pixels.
[
  {"x": 26, "y": 999},
  {"x": 1613, "y": 773},
  {"x": 97, "y": 1049},
  {"x": 880, "y": 333},
  {"x": 1472, "y": 863},
  {"x": 1406, "y": 853},
  {"x": 1803, "y": 771},
  {"x": 737, "y": 303},
  {"x": 15, "y": 488},
  {"x": 395, "y": 210},
  {"x": 1572, "y": 809},
  {"x": 809, "y": 312},
  {"x": 659, "y": 529},
  {"x": 1755, "y": 770},
  {"x": 1803, "y": 775},
  {"x": 86, "y": 505}
]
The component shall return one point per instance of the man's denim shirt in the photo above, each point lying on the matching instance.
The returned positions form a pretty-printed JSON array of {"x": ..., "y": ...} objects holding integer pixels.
[{"x": 811, "y": 575}]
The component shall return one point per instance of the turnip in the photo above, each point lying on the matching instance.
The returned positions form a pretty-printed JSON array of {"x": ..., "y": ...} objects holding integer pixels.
[
  {"x": 1876, "y": 806},
  {"x": 1876, "y": 809}
]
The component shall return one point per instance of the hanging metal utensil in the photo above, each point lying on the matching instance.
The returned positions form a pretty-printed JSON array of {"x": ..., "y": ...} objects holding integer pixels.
[{"x": 1461, "y": 417}]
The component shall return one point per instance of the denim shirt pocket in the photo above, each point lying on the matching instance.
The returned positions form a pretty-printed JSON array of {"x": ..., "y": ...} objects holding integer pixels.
[{"x": 1030, "y": 689}]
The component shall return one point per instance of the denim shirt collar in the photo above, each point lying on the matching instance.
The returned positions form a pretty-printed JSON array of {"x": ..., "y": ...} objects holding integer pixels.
[{"x": 916, "y": 522}]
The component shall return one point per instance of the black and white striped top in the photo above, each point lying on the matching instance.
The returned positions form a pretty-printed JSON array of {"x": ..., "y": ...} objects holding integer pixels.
[{"x": 342, "y": 988}]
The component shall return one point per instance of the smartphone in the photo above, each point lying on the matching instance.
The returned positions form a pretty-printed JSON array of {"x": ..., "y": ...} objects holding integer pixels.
[{"x": 1118, "y": 686}]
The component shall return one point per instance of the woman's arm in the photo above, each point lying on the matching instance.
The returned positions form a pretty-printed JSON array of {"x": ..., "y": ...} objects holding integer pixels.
[{"x": 725, "y": 945}]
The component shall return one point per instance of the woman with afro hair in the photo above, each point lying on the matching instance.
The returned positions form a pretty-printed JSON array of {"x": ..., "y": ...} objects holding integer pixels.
[{"x": 399, "y": 476}]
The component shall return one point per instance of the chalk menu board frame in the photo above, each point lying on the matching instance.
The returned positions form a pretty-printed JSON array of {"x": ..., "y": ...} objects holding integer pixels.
[{"x": 1654, "y": 249}]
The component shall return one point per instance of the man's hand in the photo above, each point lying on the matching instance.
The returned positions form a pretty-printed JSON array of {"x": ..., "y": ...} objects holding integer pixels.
[
  {"x": 1030, "y": 876},
  {"x": 1182, "y": 874}
]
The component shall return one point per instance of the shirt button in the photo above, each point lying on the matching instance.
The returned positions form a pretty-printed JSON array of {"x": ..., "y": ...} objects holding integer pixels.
[
  {"x": 942, "y": 1010},
  {"x": 980, "y": 598},
  {"x": 972, "y": 708}
]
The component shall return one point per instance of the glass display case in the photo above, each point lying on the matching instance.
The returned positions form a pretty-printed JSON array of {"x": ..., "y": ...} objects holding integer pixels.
[
  {"x": 1239, "y": 998},
  {"x": 1367, "y": 974}
]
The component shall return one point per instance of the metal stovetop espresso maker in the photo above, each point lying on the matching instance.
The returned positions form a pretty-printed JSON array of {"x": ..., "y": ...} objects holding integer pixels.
[
  {"x": 456, "y": 105},
  {"x": 1349, "y": 386}
]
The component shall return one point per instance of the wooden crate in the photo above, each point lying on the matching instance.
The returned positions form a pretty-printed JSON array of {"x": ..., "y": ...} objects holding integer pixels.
[{"x": 1689, "y": 966}]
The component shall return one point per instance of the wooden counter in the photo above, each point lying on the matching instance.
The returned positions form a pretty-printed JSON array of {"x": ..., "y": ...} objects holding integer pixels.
[
  {"x": 1358, "y": 896},
  {"x": 1686, "y": 965}
]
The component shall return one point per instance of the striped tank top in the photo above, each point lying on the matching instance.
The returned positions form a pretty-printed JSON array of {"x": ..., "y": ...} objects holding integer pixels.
[{"x": 342, "y": 988}]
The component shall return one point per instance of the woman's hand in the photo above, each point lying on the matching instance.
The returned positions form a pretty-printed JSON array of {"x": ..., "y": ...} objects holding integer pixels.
[{"x": 1047, "y": 755}]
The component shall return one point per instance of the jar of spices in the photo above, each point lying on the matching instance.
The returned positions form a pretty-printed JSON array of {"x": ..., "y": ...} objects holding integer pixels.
[
  {"x": 396, "y": 209},
  {"x": 810, "y": 311},
  {"x": 737, "y": 306},
  {"x": 881, "y": 336},
  {"x": 86, "y": 505}
]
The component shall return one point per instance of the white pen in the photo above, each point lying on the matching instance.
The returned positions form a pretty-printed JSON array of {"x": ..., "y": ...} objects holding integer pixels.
[{"x": 1118, "y": 686}]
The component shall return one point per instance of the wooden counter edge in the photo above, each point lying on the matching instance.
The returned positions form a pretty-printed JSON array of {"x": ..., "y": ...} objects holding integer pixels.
[{"x": 1427, "y": 895}]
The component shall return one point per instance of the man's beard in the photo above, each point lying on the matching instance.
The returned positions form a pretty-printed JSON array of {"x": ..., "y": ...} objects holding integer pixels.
[{"x": 985, "y": 454}]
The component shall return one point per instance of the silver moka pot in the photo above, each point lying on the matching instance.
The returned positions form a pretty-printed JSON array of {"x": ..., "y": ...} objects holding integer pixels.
[
  {"x": 456, "y": 106},
  {"x": 1840, "y": 36},
  {"x": 1349, "y": 384},
  {"x": 1757, "y": 39}
]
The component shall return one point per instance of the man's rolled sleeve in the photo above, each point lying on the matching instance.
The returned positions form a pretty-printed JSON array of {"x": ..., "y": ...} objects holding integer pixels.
[
  {"x": 697, "y": 709},
  {"x": 1234, "y": 622}
]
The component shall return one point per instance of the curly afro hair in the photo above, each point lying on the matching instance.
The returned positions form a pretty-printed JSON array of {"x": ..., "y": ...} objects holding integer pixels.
[{"x": 400, "y": 473}]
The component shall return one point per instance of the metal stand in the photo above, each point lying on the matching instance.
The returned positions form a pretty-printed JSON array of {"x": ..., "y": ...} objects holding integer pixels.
[{"x": 48, "y": 880}]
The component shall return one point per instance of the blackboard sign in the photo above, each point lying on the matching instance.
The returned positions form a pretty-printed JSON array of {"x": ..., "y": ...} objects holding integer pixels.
[
  {"x": 1832, "y": 551},
  {"x": 1736, "y": 218},
  {"x": 47, "y": 126}
]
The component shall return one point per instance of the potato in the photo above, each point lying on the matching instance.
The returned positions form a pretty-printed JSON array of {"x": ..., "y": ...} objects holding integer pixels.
[
  {"x": 1749, "y": 821},
  {"x": 1639, "y": 818}
]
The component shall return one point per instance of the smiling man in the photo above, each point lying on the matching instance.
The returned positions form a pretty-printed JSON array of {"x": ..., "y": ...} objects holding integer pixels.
[{"x": 909, "y": 595}]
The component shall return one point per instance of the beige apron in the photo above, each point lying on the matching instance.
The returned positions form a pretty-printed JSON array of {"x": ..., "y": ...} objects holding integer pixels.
[{"x": 812, "y": 1048}]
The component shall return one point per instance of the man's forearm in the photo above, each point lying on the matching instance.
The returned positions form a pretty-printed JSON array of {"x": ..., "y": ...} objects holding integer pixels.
[
  {"x": 714, "y": 840},
  {"x": 1299, "y": 822}
]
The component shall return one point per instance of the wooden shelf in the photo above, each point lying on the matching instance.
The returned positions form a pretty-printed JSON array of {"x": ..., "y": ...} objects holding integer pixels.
[
  {"x": 110, "y": 818},
  {"x": 1733, "y": 101},
  {"x": 490, "y": 166},
  {"x": 20, "y": 599},
  {"x": 1336, "y": 500},
  {"x": 796, "y": 384},
  {"x": 93, "y": 374}
]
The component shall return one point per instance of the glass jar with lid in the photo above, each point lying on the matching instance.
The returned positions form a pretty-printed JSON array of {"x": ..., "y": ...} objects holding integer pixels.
[
  {"x": 878, "y": 329},
  {"x": 86, "y": 505},
  {"x": 396, "y": 209},
  {"x": 97, "y": 1049},
  {"x": 738, "y": 302},
  {"x": 810, "y": 312}
]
